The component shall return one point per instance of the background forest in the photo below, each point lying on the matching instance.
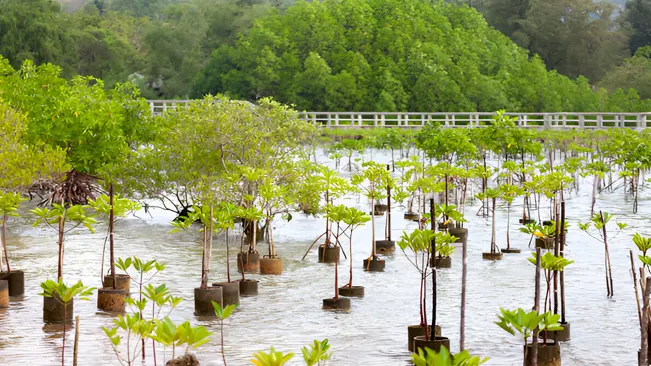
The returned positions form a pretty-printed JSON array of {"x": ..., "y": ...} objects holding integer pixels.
[{"x": 372, "y": 55}]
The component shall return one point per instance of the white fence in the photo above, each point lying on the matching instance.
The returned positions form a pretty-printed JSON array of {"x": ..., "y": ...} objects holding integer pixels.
[{"x": 596, "y": 120}]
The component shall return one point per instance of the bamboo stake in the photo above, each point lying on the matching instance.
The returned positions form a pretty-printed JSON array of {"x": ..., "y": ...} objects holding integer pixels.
[
  {"x": 534, "y": 347},
  {"x": 562, "y": 254},
  {"x": 74, "y": 355},
  {"x": 464, "y": 275}
]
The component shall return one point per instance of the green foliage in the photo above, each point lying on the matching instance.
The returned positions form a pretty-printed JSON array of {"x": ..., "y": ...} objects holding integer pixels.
[
  {"x": 418, "y": 241},
  {"x": 23, "y": 164},
  {"x": 94, "y": 127},
  {"x": 324, "y": 55},
  {"x": 524, "y": 323},
  {"x": 273, "y": 358},
  {"x": 223, "y": 313},
  {"x": 75, "y": 213},
  {"x": 64, "y": 294},
  {"x": 9, "y": 203},
  {"x": 632, "y": 74},
  {"x": 444, "y": 241},
  {"x": 317, "y": 353},
  {"x": 540, "y": 231},
  {"x": 550, "y": 262},
  {"x": 643, "y": 245},
  {"x": 449, "y": 213},
  {"x": 121, "y": 206},
  {"x": 429, "y": 357}
]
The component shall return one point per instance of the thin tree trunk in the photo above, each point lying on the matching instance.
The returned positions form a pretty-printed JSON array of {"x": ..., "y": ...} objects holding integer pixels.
[
  {"x": 60, "y": 265},
  {"x": 609, "y": 276},
  {"x": 111, "y": 229},
  {"x": 228, "y": 264},
  {"x": 3, "y": 236}
]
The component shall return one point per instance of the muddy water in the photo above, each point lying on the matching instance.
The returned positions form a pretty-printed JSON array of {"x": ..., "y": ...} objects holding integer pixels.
[{"x": 287, "y": 313}]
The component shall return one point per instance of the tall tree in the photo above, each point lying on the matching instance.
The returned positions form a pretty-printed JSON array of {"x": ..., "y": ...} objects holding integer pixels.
[
  {"x": 638, "y": 15},
  {"x": 33, "y": 30}
]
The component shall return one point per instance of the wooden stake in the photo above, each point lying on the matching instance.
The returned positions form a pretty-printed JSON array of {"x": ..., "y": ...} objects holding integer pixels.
[
  {"x": 637, "y": 295},
  {"x": 74, "y": 355},
  {"x": 534, "y": 348},
  {"x": 464, "y": 274},
  {"x": 644, "y": 347}
]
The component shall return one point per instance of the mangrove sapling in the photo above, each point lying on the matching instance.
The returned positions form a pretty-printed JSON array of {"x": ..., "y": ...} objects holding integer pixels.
[
  {"x": 222, "y": 314},
  {"x": 61, "y": 215},
  {"x": 509, "y": 192},
  {"x": 353, "y": 218},
  {"x": 9, "y": 203},
  {"x": 527, "y": 325},
  {"x": 552, "y": 265},
  {"x": 419, "y": 245},
  {"x": 112, "y": 207},
  {"x": 543, "y": 234},
  {"x": 317, "y": 354},
  {"x": 443, "y": 249},
  {"x": 141, "y": 267},
  {"x": 64, "y": 295},
  {"x": 330, "y": 186},
  {"x": 643, "y": 244},
  {"x": 599, "y": 222},
  {"x": 493, "y": 194},
  {"x": 273, "y": 358},
  {"x": 429, "y": 357},
  {"x": 159, "y": 296},
  {"x": 205, "y": 215},
  {"x": 336, "y": 215},
  {"x": 164, "y": 332},
  {"x": 274, "y": 199},
  {"x": 374, "y": 175}
]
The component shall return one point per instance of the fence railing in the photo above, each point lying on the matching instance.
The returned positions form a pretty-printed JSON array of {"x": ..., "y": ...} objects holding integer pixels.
[{"x": 594, "y": 120}]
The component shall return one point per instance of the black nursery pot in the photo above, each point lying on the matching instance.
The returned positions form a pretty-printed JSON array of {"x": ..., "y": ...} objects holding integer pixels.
[
  {"x": 248, "y": 287},
  {"x": 412, "y": 216},
  {"x": 511, "y": 251},
  {"x": 545, "y": 243},
  {"x": 416, "y": 331},
  {"x": 433, "y": 344},
  {"x": 374, "y": 265},
  {"x": 230, "y": 292},
  {"x": 558, "y": 335},
  {"x": 385, "y": 246},
  {"x": 441, "y": 262},
  {"x": 54, "y": 311},
  {"x": 203, "y": 298},
  {"x": 328, "y": 254},
  {"x": 16, "y": 282},
  {"x": 111, "y": 300},
  {"x": 460, "y": 232},
  {"x": 353, "y": 291},
  {"x": 492, "y": 256},
  {"x": 340, "y": 303},
  {"x": 122, "y": 282},
  {"x": 248, "y": 262},
  {"x": 549, "y": 354}
]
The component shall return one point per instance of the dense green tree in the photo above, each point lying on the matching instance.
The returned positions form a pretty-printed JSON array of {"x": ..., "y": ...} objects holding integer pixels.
[
  {"x": 392, "y": 55},
  {"x": 94, "y": 126},
  {"x": 33, "y": 30},
  {"x": 634, "y": 73},
  {"x": 638, "y": 15}
]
